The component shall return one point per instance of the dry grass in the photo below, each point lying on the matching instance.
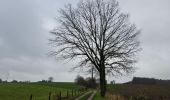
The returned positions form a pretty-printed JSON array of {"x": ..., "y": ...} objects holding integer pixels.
[
  {"x": 111, "y": 96},
  {"x": 152, "y": 92}
]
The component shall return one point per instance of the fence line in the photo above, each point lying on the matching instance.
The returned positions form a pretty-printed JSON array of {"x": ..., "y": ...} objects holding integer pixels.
[
  {"x": 164, "y": 98},
  {"x": 59, "y": 96}
]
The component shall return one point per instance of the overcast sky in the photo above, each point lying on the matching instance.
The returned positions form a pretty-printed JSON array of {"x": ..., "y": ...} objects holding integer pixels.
[{"x": 24, "y": 34}]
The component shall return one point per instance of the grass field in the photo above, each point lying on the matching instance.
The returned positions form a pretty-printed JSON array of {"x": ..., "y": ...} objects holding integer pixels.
[
  {"x": 40, "y": 91},
  {"x": 134, "y": 91},
  {"x": 98, "y": 97}
]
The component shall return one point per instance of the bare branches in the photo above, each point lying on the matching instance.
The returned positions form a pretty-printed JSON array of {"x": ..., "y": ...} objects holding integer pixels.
[{"x": 99, "y": 33}]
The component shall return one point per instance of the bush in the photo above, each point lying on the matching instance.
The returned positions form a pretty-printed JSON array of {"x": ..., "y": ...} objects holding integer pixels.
[
  {"x": 91, "y": 83},
  {"x": 140, "y": 97},
  {"x": 50, "y": 79},
  {"x": 87, "y": 83},
  {"x": 80, "y": 81},
  {"x": 14, "y": 81}
]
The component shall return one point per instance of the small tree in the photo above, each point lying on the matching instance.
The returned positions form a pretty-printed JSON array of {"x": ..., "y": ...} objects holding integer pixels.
[
  {"x": 44, "y": 81},
  {"x": 112, "y": 82},
  {"x": 0, "y": 80},
  {"x": 50, "y": 79},
  {"x": 14, "y": 81},
  {"x": 88, "y": 82},
  {"x": 80, "y": 81},
  {"x": 91, "y": 83}
]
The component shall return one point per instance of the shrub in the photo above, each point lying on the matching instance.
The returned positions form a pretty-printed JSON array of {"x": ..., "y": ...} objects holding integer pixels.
[
  {"x": 87, "y": 83},
  {"x": 14, "y": 81},
  {"x": 50, "y": 79},
  {"x": 80, "y": 81},
  {"x": 140, "y": 97},
  {"x": 91, "y": 83}
]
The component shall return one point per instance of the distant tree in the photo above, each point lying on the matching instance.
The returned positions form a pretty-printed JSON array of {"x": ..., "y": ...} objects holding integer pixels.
[
  {"x": 44, "y": 81},
  {"x": 97, "y": 33},
  {"x": 28, "y": 81},
  {"x": 91, "y": 83},
  {"x": 112, "y": 82},
  {"x": 88, "y": 82},
  {"x": 5, "y": 81},
  {"x": 80, "y": 81},
  {"x": 0, "y": 80},
  {"x": 14, "y": 81},
  {"x": 142, "y": 80},
  {"x": 50, "y": 79}
]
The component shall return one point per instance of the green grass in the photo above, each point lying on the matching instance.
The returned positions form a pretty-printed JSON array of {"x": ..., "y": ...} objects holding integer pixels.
[
  {"x": 40, "y": 91},
  {"x": 109, "y": 87},
  {"x": 98, "y": 97}
]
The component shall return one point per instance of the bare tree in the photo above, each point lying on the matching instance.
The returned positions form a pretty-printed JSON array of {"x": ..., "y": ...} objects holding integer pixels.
[
  {"x": 97, "y": 33},
  {"x": 0, "y": 80},
  {"x": 50, "y": 79},
  {"x": 80, "y": 81}
]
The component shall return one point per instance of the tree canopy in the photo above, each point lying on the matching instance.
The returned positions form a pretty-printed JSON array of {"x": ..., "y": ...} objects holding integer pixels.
[{"x": 97, "y": 33}]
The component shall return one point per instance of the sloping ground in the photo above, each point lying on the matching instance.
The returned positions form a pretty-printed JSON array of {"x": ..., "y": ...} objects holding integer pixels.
[
  {"x": 151, "y": 92},
  {"x": 40, "y": 91}
]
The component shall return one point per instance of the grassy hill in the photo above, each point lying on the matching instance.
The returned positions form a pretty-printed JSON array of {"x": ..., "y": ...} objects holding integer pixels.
[
  {"x": 150, "y": 91},
  {"x": 40, "y": 91}
]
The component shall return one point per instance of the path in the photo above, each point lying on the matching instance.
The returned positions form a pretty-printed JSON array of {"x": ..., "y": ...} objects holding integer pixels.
[
  {"x": 92, "y": 95},
  {"x": 83, "y": 95}
]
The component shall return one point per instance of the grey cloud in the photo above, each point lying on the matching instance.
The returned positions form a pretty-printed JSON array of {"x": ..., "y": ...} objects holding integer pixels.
[
  {"x": 33, "y": 68},
  {"x": 151, "y": 16},
  {"x": 24, "y": 34},
  {"x": 24, "y": 40},
  {"x": 20, "y": 29}
]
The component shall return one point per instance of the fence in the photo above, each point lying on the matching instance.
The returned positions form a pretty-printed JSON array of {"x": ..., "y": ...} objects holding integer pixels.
[
  {"x": 149, "y": 98},
  {"x": 139, "y": 97},
  {"x": 164, "y": 98},
  {"x": 69, "y": 94}
]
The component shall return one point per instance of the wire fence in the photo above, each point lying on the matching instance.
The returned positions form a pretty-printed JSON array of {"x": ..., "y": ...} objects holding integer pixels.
[{"x": 63, "y": 95}]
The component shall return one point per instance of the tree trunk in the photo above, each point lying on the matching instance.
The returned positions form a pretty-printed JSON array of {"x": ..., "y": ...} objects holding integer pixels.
[{"x": 102, "y": 83}]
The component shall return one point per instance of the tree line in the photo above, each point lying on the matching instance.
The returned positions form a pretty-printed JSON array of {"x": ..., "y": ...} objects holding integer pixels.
[
  {"x": 50, "y": 79},
  {"x": 144, "y": 80}
]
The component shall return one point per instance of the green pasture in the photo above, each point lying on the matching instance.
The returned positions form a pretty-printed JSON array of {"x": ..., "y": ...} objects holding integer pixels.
[{"x": 40, "y": 91}]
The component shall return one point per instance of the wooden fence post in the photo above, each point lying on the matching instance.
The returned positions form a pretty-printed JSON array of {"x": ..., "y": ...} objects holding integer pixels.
[
  {"x": 49, "y": 98},
  {"x": 117, "y": 98},
  {"x": 72, "y": 92},
  {"x": 31, "y": 97},
  {"x": 60, "y": 95},
  {"x": 67, "y": 94},
  {"x": 78, "y": 91},
  {"x": 75, "y": 92}
]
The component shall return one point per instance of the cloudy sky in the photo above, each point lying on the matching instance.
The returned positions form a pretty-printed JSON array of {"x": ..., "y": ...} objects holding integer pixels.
[{"x": 24, "y": 34}]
